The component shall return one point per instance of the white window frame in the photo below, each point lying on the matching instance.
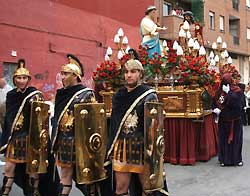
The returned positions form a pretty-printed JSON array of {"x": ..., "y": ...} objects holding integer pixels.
[
  {"x": 212, "y": 20},
  {"x": 248, "y": 3},
  {"x": 166, "y": 8},
  {"x": 248, "y": 33},
  {"x": 222, "y": 23}
]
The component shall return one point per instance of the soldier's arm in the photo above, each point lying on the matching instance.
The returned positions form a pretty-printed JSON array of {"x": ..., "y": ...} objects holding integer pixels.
[
  {"x": 151, "y": 97},
  {"x": 37, "y": 97},
  {"x": 89, "y": 97}
]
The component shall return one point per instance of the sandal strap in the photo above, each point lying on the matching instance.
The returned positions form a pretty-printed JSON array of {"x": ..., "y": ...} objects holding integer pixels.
[{"x": 4, "y": 187}]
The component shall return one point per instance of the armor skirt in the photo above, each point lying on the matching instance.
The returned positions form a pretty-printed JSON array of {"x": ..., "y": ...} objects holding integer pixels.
[
  {"x": 66, "y": 156},
  {"x": 129, "y": 155},
  {"x": 17, "y": 148}
]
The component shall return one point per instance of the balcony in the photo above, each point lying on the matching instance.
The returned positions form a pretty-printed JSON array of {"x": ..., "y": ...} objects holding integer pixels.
[{"x": 172, "y": 22}]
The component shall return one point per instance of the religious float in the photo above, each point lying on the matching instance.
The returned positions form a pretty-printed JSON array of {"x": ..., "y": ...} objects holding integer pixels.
[
  {"x": 178, "y": 75},
  {"x": 185, "y": 81}
]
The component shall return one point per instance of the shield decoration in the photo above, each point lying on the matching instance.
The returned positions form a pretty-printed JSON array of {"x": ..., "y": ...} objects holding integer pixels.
[
  {"x": 37, "y": 145},
  {"x": 153, "y": 146},
  {"x": 90, "y": 142}
]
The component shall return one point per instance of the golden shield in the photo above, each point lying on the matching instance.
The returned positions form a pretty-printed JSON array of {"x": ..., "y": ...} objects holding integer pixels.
[
  {"x": 38, "y": 138},
  {"x": 90, "y": 142},
  {"x": 153, "y": 146}
]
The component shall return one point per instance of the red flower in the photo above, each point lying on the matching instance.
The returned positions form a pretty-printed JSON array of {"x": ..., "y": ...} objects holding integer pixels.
[{"x": 107, "y": 71}]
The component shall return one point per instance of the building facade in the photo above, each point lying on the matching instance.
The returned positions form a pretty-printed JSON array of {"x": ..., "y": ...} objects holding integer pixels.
[
  {"x": 229, "y": 19},
  {"x": 43, "y": 32}
]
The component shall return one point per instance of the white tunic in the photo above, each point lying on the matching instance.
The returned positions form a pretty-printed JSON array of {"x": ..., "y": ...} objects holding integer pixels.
[{"x": 148, "y": 28}]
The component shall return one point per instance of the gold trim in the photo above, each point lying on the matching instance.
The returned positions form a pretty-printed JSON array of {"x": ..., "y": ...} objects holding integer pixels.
[
  {"x": 124, "y": 167},
  {"x": 124, "y": 155},
  {"x": 17, "y": 116},
  {"x": 64, "y": 110},
  {"x": 126, "y": 115},
  {"x": 164, "y": 192},
  {"x": 107, "y": 163}
]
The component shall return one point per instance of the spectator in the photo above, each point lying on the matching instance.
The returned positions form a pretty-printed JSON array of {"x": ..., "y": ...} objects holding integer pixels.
[
  {"x": 4, "y": 88},
  {"x": 247, "y": 95}
]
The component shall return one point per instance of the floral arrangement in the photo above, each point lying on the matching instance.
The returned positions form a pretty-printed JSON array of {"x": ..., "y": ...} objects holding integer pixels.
[
  {"x": 185, "y": 68},
  {"x": 195, "y": 68},
  {"x": 228, "y": 68},
  {"x": 108, "y": 72},
  {"x": 154, "y": 66}
]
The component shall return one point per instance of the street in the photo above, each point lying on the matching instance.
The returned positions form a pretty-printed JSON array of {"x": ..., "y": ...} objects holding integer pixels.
[
  {"x": 202, "y": 179},
  {"x": 209, "y": 179}
]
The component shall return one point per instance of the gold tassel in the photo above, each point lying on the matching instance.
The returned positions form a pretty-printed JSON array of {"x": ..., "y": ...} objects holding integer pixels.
[{"x": 124, "y": 157}]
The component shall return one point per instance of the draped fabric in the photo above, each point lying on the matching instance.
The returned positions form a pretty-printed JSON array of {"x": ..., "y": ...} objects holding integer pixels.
[
  {"x": 152, "y": 45},
  {"x": 230, "y": 122},
  {"x": 187, "y": 141},
  {"x": 150, "y": 38},
  {"x": 49, "y": 179},
  {"x": 63, "y": 96},
  {"x": 13, "y": 102},
  {"x": 230, "y": 153},
  {"x": 121, "y": 102}
]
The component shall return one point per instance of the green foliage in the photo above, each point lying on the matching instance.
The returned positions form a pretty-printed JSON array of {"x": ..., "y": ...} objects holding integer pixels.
[{"x": 197, "y": 7}]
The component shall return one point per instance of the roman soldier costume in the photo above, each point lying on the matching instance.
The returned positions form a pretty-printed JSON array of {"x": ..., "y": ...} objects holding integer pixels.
[
  {"x": 26, "y": 124},
  {"x": 72, "y": 105},
  {"x": 128, "y": 126}
]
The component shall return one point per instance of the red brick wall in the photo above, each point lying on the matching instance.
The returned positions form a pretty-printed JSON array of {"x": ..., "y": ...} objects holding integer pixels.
[
  {"x": 129, "y": 11},
  {"x": 43, "y": 32}
]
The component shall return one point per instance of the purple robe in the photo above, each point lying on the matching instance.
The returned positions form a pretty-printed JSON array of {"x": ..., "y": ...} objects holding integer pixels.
[{"x": 230, "y": 129}]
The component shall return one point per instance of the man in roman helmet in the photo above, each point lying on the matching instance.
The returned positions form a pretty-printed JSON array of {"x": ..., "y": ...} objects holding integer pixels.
[
  {"x": 16, "y": 137},
  {"x": 64, "y": 146},
  {"x": 126, "y": 136},
  {"x": 150, "y": 31}
]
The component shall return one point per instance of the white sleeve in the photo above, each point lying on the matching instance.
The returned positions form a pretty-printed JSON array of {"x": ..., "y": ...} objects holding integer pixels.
[{"x": 148, "y": 26}]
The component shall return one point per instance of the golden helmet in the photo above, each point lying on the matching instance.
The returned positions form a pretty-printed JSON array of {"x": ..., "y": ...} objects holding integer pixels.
[
  {"x": 133, "y": 64},
  {"x": 73, "y": 66},
  {"x": 21, "y": 70}
]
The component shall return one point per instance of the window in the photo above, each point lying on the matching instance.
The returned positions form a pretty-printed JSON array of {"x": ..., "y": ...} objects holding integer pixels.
[
  {"x": 235, "y": 4},
  {"x": 248, "y": 3},
  {"x": 167, "y": 7},
  {"x": 234, "y": 25},
  {"x": 248, "y": 33},
  {"x": 8, "y": 70},
  {"x": 222, "y": 28},
  {"x": 241, "y": 66},
  {"x": 211, "y": 20}
]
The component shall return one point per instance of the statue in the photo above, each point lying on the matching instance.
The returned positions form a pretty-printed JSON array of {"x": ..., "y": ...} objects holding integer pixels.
[
  {"x": 194, "y": 27},
  {"x": 150, "y": 31}
]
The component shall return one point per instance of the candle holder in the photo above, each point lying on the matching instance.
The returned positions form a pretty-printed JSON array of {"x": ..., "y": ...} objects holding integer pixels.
[{"x": 219, "y": 55}]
